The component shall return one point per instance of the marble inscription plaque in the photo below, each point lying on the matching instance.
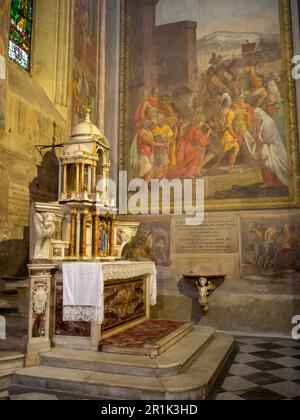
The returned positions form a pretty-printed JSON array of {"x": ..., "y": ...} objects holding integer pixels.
[
  {"x": 18, "y": 204},
  {"x": 217, "y": 234}
]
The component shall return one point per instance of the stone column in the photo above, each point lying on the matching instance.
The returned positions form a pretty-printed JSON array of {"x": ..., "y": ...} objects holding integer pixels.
[
  {"x": 95, "y": 178},
  {"x": 77, "y": 177},
  {"x": 60, "y": 181},
  {"x": 96, "y": 235},
  {"x": 65, "y": 177},
  {"x": 89, "y": 179},
  {"x": 78, "y": 229},
  {"x": 82, "y": 177},
  {"x": 112, "y": 238},
  {"x": 39, "y": 337},
  {"x": 84, "y": 222},
  {"x": 72, "y": 236}
]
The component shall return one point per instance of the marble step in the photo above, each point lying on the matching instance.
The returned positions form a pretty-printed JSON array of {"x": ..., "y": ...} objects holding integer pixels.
[
  {"x": 194, "y": 384},
  {"x": 14, "y": 343},
  {"x": 5, "y": 378},
  {"x": 11, "y": 360},
  {"x": 173, "y": 361}
]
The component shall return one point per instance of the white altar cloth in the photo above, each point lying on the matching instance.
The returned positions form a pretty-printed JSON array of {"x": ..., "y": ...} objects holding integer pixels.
[
  {"x": 83, "y": 286},
  {"x": 83, "y": 289}
]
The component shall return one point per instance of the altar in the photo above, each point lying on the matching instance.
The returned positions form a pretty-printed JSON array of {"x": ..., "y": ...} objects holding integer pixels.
[
  {"x": 81, "y": 229},
  {"x": 129, "y": 291}
]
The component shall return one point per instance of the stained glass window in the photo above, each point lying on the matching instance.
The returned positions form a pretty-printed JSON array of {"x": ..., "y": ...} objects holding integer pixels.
[{"x": 20, "y": 30}]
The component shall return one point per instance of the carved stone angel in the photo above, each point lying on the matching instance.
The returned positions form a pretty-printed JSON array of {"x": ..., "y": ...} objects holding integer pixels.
[{"x": 44, "y": 231}]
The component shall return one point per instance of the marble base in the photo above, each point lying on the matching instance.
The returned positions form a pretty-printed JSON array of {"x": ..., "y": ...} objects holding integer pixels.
[
  {"x": 74, "y": 343},
  {"x": 87, "y": 374}
]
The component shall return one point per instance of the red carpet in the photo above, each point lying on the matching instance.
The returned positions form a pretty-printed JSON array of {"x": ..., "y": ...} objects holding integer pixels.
[{"x": 149, "y": 332}]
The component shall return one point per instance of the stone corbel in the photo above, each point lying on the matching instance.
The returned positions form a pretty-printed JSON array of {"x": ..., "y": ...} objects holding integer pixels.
[{"x": 45, "y": 226}]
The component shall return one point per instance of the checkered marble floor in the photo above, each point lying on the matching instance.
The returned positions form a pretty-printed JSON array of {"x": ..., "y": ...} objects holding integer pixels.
[{"x": 264, "y": 370}]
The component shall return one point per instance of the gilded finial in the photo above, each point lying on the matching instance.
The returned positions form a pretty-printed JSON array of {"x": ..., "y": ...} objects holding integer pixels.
[{"x": 88, "y": 115}]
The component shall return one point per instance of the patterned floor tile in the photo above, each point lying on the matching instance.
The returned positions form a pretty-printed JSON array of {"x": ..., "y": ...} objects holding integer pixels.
[
  {"x": 236, "y": 384},
  {"x": 261, "y": 394},
  {"x": 269, "y": 346},
  {"x": 263, "y": 378},
  {"x": 288, "y": 351},
  {"x": 288, "y": 374},
  {"x": 265, "y": 365},
  {"x": 246, "y": 358},
  {"x": 263, "y": 370},
  {"x": 287, "y": 389},
  {"x": 287, "y": 343},
  {"x": 297, "y": 381},
  {"x": 228, "y": 396},
  {"x": 242, "y": 370},
  {"x": 249, "y": 349},
  {"x": 251, "y": 341},
  {"x": 267, "y": 355},
  {"x": 291, "y": 362}
]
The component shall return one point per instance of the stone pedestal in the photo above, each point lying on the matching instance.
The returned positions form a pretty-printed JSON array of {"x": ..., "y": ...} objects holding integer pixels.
[{"x": 39, "y": 311}]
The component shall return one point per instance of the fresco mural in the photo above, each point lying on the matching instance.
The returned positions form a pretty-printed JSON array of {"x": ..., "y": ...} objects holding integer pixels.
[
  {"x": 151, "y": 243},
  {"x": 86, "y": 35},
  {"x": 205, "y": 97},
  {"x": 270, "y": 246},
  {"x": 4, "y": 10}
]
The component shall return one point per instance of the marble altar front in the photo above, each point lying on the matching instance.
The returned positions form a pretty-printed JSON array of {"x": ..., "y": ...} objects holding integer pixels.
[{"x": 129, "y": 291}]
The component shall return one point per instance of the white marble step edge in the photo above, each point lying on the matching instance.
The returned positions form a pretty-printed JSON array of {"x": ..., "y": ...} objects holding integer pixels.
[
  {"x": 5, "y": 378},
  {"x": 194, "y": 384},
  {"x": 173, "y": 361},
  {"x": 11, "y": 360}
]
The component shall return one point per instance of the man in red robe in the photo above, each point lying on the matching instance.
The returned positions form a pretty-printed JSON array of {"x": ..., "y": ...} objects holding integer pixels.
[{"x": 191, "y": 151}]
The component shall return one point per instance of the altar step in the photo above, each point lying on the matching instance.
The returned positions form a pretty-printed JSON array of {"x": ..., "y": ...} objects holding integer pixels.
[
  {"x": 14, "y": 309},
  {"x": 9, "y": 362},
  {"x": 16, "y": 332},
  {"x": 187, "y": 371},
  {"x": 171, "y": 362}
]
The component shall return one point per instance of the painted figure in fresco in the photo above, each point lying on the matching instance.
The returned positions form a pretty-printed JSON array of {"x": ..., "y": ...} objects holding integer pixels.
[
  {"x": 270, "y": 151},
  {"x": 274, "y": 95},
  {"x": 276, "y": 112},
  {"x": 191, "y": 150},
  {"x": 286, "y": 256},
  {"x": 149, "y": 108},
  {"x": 230, "y": 139},
  {"x": 77, "y": 100},
  {"x": 243, "y": 121},
  {"x": 258, "y": 243},
  {"x": 161, "y": 246},
  {"x": 142, "y": 152},
  {"x": 252, "y": 83},
  {"x": 164, "y": 135},
  {"x": 141, "y": 247},
  {"x": 271, "y": 246}
]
